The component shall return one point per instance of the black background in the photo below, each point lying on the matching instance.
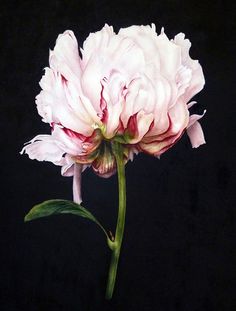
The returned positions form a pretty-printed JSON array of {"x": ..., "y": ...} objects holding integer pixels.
[{"x": 179, "y": 250}]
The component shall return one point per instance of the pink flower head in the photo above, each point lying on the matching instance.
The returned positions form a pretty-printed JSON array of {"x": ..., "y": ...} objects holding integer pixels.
[{"x": 133, "y": 87}]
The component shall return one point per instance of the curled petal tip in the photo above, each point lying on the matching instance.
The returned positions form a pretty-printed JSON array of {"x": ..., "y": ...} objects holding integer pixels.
[{"x": 196, "y": 135}]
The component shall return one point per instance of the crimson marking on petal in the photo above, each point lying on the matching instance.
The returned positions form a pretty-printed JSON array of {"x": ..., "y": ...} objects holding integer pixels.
[
  {"x": 151, "y": 139},
  {"x": 73, "y": 134},
  {"x": 132, "y": 127},
  {"x": 167, "y": 140},
  {"x": 121, "y": 128},
  {"x": 170, "y": 141},
  {"x": 102, "y": 101},
  {"x": 150, "y": 127},
  {"x": 52, "y": 124},
  {"x": 63, "y": 79},
  {"x": 103, "y": 105},
  {"x": 89, "y": 143},
  {"x": 172, "y": 144},
  {"x": 124, "y": 92}
]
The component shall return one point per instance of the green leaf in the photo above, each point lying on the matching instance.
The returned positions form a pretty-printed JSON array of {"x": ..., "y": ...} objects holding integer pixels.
[{"x": 55, "y": 207}]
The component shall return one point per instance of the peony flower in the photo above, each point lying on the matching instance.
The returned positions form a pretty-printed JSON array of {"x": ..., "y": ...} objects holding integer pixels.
[{"x": 133, "y": 87}]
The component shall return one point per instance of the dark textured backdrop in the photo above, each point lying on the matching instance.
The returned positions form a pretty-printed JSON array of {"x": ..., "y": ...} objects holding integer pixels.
[{"x": 179, "y": 250}]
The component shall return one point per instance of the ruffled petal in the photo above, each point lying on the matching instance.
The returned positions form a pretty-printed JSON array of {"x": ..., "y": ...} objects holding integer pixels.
[
  {"x": 145, "y": 38},
  {"x": 55, "y": 103},
  {"x": 96, "y": 41},
  {"x": 105, "y": 53},
  {"x": 197, "y": 80},
  {"x": 170, "y": 55},
  {"x": 140, "y": 95},
  {"x": 44, "y": 148},
  {"x": 66, "y": 60},
  {"x": 65, "y": 56},
  {"x": 178, "y": 121},
  {"x": 62, "y": 99}
]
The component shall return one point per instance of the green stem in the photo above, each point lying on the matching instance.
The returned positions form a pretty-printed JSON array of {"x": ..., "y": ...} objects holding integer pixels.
[{"x": 116, "y": 244}]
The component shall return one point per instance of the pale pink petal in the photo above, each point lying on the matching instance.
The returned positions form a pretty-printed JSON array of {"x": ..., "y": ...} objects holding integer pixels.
[
  {"x": 143, "y": 122},
  {"x": 141, "y": 95},
  {"x": 113, "y": 99},
  {"x": 67, "y": 166},
  {"x": 195, "y": 117},
  {"x": 164, "y": 93},
  {"x": 108, "y": 54},
  {"x": 111, "y": 52},
  {"x": 197, "y": 81},
  {"x": 62, "y": 88},
  {"x": 128, "y": 58},
  {"x": 159, "y": 51},
  {"x": 178, "y": 121},
  {"x": 196, "y": 84},
  {"x": 183, "y": 79},
  {"x": 179, "y": 117},
  {"x": 55, "y": 105},
  {"x": 128, "y": 108},
  {"x": 196, "y": 135},
  {"x": 72, "y": 144},
  {"x": 145, "y": 38},
  {"x": 192, "y": 103},
  {"x": 170, "y": 55},
  {"x": 44, "y": 148},
  {"x": 95, "y": 63},
  {"x": 194, "y": 130},
  {"x": 96, "y": 41},
  {"x": 65, "y": 56},
  {"x": 77, "y": 183}
]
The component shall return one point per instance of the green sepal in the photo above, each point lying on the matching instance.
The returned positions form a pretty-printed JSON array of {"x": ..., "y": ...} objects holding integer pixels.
[
  {"x": 55, "y": 207},
  {"x": 124, "y": 138}
]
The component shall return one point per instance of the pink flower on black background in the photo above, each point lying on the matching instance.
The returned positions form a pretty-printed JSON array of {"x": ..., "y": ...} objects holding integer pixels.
[{"x": 133, "y": 87}]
